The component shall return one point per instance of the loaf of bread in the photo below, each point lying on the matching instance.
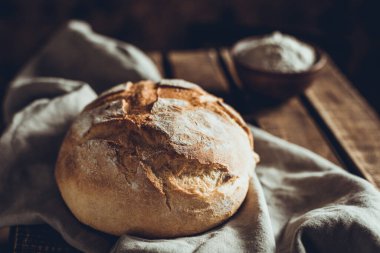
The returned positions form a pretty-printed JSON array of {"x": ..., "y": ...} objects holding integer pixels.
[{"x": 157, "y": 160}]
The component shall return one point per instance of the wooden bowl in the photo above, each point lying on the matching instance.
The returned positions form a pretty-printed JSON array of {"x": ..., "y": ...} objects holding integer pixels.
[{"x": 276, "y": 86}]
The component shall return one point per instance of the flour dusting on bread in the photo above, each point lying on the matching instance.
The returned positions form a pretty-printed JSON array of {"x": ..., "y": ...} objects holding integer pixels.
[{"x": 160, "y": 160}]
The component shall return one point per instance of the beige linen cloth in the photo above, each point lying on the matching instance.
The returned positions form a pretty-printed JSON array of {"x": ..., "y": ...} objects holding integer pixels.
[{"x": 297, "y": 201}]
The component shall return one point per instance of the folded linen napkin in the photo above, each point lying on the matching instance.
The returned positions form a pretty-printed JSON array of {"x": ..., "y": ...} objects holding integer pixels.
[{"x": 297, "y": 201}]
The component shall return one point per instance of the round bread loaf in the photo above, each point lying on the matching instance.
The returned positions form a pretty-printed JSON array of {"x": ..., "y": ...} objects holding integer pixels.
[{"x": 157, "y": 160}]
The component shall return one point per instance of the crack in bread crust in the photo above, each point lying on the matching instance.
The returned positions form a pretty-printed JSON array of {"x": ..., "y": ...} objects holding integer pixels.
[
  {"x": 168, "y": 153},
  {"x": 165, "y": 89}
]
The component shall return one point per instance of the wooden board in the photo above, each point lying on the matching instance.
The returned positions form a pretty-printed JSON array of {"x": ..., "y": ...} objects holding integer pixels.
[
  {"x": 200, "y": 67},
  {"x": 330, "y": 102},
  {"x": 351, "y": 120},
  {"x": 290, "y": 121},
  {"x": 38, "y": 239}
]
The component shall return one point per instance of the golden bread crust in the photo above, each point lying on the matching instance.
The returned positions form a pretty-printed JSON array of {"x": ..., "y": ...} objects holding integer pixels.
[{"x": 158, "y": 160}]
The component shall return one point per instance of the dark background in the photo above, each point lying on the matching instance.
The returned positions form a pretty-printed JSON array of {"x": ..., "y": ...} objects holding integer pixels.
[{"x": 348, "y": 30}]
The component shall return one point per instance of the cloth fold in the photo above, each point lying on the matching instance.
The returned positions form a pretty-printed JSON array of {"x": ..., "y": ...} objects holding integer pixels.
[
  {"x": 297, "y": 201},
  {"x": 77, "y": 53}
]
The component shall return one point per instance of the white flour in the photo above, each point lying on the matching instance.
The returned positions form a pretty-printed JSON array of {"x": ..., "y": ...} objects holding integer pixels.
[{"x": 278, "y": 53}]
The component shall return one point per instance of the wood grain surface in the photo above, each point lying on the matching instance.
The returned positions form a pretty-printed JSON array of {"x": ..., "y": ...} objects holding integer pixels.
[
  {"x": 351, "y": 120},
  {"x": 200, "y": 67},
  {"x": 354, "y": 125},
  {"x": 289, "y": 121},
  {"x": 331, "y": 119}
]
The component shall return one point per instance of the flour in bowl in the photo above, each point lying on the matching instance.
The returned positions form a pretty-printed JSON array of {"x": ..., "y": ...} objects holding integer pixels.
[{"x": 278, "y": 53}]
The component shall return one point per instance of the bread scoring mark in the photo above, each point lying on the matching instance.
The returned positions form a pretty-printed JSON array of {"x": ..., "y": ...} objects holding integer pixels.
[
  {"x": 146, "y": 97},
  {"x": 189, "y": 175},
  {"x": 131, "y": 91},
  {"x": 167, "y": 198},
  {"x": 109, "y": 111},
  {"x": 177, "y": 139},
  {"x": 179, "y": 83},
  {"x": 200, "y": 98},
  {"x": 202, "y": 178},
  {"x": 101, "y": 114},
  {"x": 155, "y": 179},
  {"x": 158, "y": 182},
  {"x": 195, "y": 130},
  {"x": 208, "y": 99},
  {"x": 169, "y": 104},
  {"x": 125, "y": 107},
  {"x": 166, "y": 169},
  {"x": 172, "y": 169}
]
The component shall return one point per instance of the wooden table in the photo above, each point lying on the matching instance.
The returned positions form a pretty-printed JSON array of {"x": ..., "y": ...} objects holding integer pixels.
[{"x": 331, "y": 118}]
